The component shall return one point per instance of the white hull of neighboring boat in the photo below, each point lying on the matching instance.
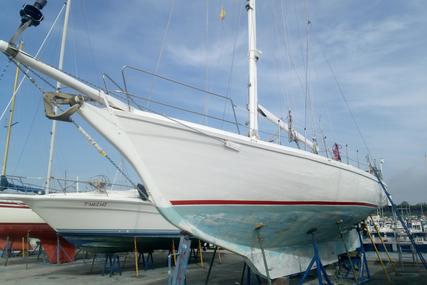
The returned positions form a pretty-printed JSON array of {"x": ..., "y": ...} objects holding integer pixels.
[
  {"x": 219, "y": 186},
  {"x": 116, "y": 213},
  {"x": 15, "y": 212}
]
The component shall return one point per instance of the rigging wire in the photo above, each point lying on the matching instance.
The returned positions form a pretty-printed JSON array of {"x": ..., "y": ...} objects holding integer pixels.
[
  {"x": 287, "y": 45},
  {"x": 281, "y": 40},
  {"x": 233, "y": 57},
  {"x": 307, "y": 74},
  {"x": 206, "y": 109},
  {"x": 165, "y": 33},
  {"x": 219, "y": 139},
  {"x": 80, "y": 129},
  {"x": 37, "y": 53},
  {"x": 292, "y": 65},
  {"x": 298, "y": 29},
  {"x": 341, "y": 92},
  {"x": 279, "y": 60},
  {"x": 73, "y": 38},
  {"x": 36, "y": 113},
  {"x": 5, "y": 68},
  {"x": 162, "y": 48},
  {"x": 21, "y": 82},
  {"x": 88, "y": 35}
]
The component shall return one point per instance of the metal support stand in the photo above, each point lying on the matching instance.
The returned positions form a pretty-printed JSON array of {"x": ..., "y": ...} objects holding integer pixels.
[
  {"x": 258, "y": 227},
  {"x": 248, "y": 273},
  {"x": 364, "y": 274},
  {"x": 184, "y": 252},
  {"x": 349, "y": 258},
  {"x": 141, "y": 259},
  {"x": 7, "y": 250},
  {"x": 319, "y": 266},
  {"x": 93, "y": 263},
  {"x": 112, "y": 264},
  {"x": 58, "y": 248},
  {"x": 147, "y": 261},
  {"x": 211, "y": 265}
]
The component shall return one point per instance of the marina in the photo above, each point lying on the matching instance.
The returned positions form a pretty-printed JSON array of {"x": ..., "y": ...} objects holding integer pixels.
[{"x": 207, "y": 179}]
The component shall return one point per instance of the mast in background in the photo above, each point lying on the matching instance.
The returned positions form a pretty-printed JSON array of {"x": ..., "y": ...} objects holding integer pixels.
[
  {"x": 254, "y": 55},
  {"x": 58, "y": 88},
  {"x": 11, "y": 113}
]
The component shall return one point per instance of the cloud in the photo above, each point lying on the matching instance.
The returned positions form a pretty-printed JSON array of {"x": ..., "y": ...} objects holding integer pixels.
[{"x": 198, "y": 55}]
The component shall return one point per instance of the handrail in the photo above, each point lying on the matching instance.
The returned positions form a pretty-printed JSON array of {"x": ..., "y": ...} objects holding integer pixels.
[
  {"x": 128, "y": 67},
  {"x": 18, "y": 183},
  {"x": 175, "y": 107},
  {"x": 104, "y": 75}
]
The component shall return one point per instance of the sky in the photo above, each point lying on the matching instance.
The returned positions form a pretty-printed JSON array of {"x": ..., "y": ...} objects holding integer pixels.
[{"x": 364, "y": 85}]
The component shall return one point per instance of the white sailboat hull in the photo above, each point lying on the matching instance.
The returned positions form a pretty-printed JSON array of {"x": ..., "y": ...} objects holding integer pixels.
[
  {"x": 116, "y": 213},
  {"x": 219, "y": 186},
  {"x": 15, "y": 212}
]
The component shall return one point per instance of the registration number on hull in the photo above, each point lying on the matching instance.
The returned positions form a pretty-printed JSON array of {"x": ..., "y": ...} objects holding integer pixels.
[{"x": 95, "y": 204}]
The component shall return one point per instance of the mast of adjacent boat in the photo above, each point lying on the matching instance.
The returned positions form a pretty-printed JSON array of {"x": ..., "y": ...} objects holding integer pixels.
[
  {"x": 253, "y": 59},
  {"x": 58, "y": 87},
  {"x": 10, "y": 123}
]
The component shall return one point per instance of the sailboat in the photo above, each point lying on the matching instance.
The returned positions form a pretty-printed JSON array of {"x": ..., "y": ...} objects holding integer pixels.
[
  {"x": 104, "y": 221},
  {"x": 255, "y": 198}
]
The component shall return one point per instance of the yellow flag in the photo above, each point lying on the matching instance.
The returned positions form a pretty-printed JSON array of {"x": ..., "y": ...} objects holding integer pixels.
[{"x": 222, "y": 14}]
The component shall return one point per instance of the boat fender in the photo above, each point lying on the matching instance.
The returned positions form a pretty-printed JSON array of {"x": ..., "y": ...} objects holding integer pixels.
[{"x": 142, "y": 192}]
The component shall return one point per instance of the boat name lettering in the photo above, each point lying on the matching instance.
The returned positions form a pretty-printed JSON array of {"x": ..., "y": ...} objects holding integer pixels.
[{"x": 96, "y": 204}]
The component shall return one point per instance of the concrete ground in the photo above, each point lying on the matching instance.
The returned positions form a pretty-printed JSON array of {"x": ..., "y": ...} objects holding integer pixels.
[{"x": 228, "y": 271}]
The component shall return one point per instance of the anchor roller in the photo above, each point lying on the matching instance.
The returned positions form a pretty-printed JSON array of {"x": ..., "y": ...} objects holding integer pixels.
[{"x": 51, "y": 99}]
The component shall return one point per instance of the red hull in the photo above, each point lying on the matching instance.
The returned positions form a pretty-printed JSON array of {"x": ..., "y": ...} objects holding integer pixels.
[
  {"x": 17, "y": 231},
  {"x": 14, "y": 232}
]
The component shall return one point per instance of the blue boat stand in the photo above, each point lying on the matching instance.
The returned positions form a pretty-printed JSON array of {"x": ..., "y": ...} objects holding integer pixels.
[
  {"x": 364, "y": 274},
  {"x": 319, "y": 266}
]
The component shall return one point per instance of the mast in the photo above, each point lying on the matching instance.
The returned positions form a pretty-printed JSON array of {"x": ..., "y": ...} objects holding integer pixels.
[
  {"x": 58, "y": 88},
  {"x": 10, "y": 123},
  {"x": 254, "y": 55}
]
